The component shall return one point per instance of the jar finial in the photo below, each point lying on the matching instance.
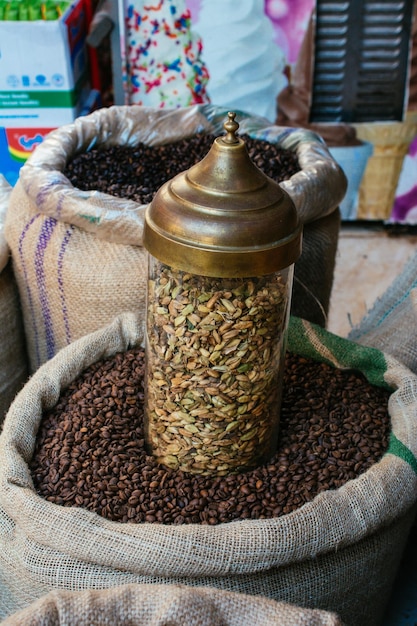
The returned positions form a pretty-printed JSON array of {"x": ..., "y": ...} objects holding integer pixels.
[{"x": 230, "y": 126}]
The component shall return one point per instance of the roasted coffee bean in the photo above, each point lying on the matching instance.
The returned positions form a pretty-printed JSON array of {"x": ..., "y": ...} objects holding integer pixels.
[
  {"x": 137, "y": 172},
  {"x": 90, "y": 449}
]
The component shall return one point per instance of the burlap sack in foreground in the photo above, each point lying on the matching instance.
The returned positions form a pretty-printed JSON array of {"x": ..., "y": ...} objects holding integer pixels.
[
  {"x": 14, "y": 368},
  {"x": 159, "y": 605},
  {"x": 339, "y": 552},
  {"x": 78, "y": 256}
]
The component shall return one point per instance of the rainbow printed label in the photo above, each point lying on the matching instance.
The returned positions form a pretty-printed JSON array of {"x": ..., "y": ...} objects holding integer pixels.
[
  {"x": 21, "y": 142},
  {"x": 16, "y": 145}
]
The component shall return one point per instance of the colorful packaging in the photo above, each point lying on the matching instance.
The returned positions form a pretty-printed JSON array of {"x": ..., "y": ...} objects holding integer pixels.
[
  {"x": 31, "y": 78},
  {"x": 17, "y": 144},
  {"x": 21, "y": 10}
]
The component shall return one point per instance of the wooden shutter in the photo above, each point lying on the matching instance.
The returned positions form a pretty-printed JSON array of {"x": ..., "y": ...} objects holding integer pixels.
[{"x": 361, "y": 60}]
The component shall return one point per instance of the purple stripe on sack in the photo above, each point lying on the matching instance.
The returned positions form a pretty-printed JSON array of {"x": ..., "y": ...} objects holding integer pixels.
[
  {"x": 45, "y": 191},
  {"x": 43, "y": 240},
  {"x": 28, "y": 290},
  {"x": 59, "y": 206},
  {"x": 61, "y": 254}
]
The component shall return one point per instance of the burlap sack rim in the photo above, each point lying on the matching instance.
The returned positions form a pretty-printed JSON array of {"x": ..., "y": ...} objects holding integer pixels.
[
  {"x": 120, "y": 220},
  {"x": 334, "y": 519},
  {"x": 145, "y": 603}
]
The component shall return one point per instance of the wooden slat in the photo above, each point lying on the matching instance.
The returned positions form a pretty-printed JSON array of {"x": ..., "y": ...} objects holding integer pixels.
[{"x": 361, "y": 60}]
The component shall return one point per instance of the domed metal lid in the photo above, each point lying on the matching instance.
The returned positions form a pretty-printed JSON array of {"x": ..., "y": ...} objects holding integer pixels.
[{"x": 223, "y": 217}]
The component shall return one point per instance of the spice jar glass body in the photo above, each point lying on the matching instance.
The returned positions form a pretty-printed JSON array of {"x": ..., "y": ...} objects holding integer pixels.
[{"x": 215, "y": 351}]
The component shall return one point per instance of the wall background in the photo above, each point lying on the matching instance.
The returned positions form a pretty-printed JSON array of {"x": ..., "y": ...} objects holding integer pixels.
[{"x": 289, "y": 18}]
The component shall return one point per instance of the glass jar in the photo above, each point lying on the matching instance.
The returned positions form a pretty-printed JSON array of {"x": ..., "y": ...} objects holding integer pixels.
[{"x": 218, "y": 306}]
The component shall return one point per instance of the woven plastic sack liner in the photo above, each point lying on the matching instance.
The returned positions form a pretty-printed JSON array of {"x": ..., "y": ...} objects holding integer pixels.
[
  {"x": 13, "y": 358},
  {"x": 159, "y": 605},
  {"x": 78, "y": 256},
  {"x": 339, "y": 552}
]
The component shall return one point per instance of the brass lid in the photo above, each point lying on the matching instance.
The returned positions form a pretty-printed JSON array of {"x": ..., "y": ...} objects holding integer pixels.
[{"x": 223, "y": 217}]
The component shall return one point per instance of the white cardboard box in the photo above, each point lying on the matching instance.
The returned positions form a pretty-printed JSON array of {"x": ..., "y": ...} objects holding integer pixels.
[{"x": 43, "y": 69}]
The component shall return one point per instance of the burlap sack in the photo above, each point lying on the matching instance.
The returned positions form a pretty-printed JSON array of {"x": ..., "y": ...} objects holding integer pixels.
[
  {"x": 338, "y": 553},
  {"x": 160, "y": 605},
  {"x": 390, "y": 324},
  {"x": 78, "y": 256},
  {"x": 13, "y": 358}
]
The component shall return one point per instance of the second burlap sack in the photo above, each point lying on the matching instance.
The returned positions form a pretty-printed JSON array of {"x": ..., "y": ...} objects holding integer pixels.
[
  {"x": 160, "y": 605},
  {"x": 78, "y": 256},
  {"x": 340, "y": 552},
  {"x": 14, "y": 368},
  {"x": 391, "y": 322}
]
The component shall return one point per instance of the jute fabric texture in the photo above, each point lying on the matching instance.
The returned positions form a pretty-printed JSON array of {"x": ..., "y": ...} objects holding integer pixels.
[
  {"x": 13, "y": 358},
  {"x": 338, "y": 553},
  {"x": 78, "y": 256},
  {"x": 390, "y": 325},
  {"x": 160, "y": 605}
]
